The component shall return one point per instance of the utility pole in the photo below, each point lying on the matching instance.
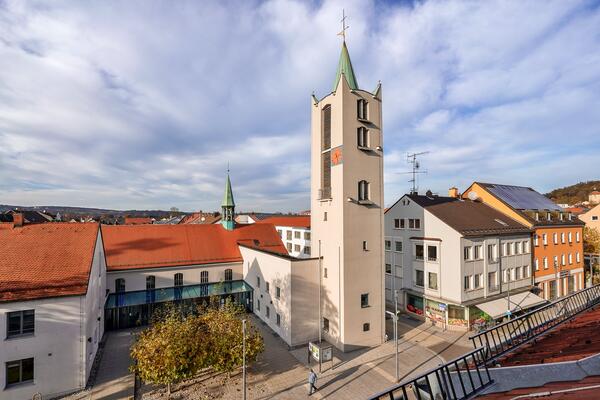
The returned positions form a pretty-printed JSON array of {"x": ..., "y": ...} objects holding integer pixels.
[{"x": 244, "y": 358}]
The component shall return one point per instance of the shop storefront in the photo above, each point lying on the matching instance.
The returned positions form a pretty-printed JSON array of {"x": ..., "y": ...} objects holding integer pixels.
[{"x": 414, "y": 304}]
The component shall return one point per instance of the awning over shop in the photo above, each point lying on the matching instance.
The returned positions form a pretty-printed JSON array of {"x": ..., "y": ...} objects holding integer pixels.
[{"x": 518, "y": 301}]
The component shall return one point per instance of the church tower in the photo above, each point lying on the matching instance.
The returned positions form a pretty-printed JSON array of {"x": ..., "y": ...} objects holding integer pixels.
[
  {"x": 228, "y": 207},
  {"x": 347, "y": 210}
]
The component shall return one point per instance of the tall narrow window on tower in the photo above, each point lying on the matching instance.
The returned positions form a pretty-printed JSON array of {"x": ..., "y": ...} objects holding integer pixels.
[
  {"x": 326, "y": 155},
  {"x": 363, "y": 191},
  {"x": 363, "y": 137},
  {"x": 361, "y": 109}
]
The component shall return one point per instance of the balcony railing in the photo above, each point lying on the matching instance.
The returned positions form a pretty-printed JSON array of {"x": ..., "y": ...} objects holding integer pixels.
[
  {"x": 461, "y": 378},
  {"x": 506, "y": 337}
]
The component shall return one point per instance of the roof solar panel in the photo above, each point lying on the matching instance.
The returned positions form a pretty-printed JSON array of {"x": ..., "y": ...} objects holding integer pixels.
[{"x": 522, "y": 198}]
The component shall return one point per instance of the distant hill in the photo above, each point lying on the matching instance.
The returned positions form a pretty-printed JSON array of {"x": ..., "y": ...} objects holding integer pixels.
[{"x": 575, "y": 193}]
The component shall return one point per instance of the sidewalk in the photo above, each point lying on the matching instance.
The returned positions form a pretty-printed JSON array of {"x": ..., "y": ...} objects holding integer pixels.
[{"x": 113, "y": 381}]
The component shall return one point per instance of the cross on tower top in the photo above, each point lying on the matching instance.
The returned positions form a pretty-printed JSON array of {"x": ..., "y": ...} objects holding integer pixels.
[{"x": 344, "y": 26}]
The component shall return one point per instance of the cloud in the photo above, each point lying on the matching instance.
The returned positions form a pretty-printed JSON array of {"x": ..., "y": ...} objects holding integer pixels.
[{"x": 142, "y": 104}]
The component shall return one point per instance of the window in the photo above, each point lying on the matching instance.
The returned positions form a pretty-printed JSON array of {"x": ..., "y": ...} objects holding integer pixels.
[
  {"x": 361, "y": 109},
  {"x": 119, "y": 285},
  {"x": 324, "y": 272},
  {"x": 432, "y": 280},
  {"x": 402, "y": 223},
  {"x": 417, "y": 223},
  {"x": 467, "y": 283},
  {"x": 492, "y": 280},
  {"x": 570, "y": 258},
  {"x": 388, "y": 268},
  {"x": 517, "y": 273},
  {"x": 228, "y": 274},
  {"x": 280, "y": 233},
  {"x": 365, "y": 247},
  {"x": 257, "y": 304},
  {"x": 555, "y": 261},
  {"x": 19, "y": 371},
  {"x": 478, "y": 252},
  {"x": 476, "y": 281},
  {"x": 504, "y": 249},
  {"x": 545, "y": 239},
  {"x": 362, "y": 137},
  {"x": 289, "y": 235},
  {"x": 398, "y": 246},
  {"x": 306, "y": 235},
  {"x": 178, "y": 279},
  {"x": 364, "y": 300},
  {"x": 363, "y": 190},
  {"x": 432, "y": 253},
  {"x": 512, "y": 248},
  {"x": 419, "y": 278},
  {"x": 325, "y": 325},
  {"x": 278, "y": 319},
  {"x": 267, "y": 287},
  {"x": 563, "y": 259},
  {"x": 388, "y": 245},
  {"x": 526, "y": 248},
  {"x": 467, "y": 253},
  {"x": 577, "y": 236},
  {"x": 326, "y": 138},
  {"x": 545, "y": 262},
  {"x": 552, "y": 290},
  {"x": 419, "y": 251},
  {"x": 555, "y": 238},
  {"x": 268, "y": 312},
  {"x": 536, "y": 240},
  {"x": 594, "y": 218},
  {"x": 562, "y": 237},
  {"x": 537, "y": 264},
  {"x": 507, "y": 275},
  {"x": 277, "y": 292},
  {"x": 258, "y": 281},
  {"x": 577, "y": 258},
  {"x": 307, "y": 250},
  {"x": 297, "y": 248},
  {"x": 396, "y": 223},
  {"x": 519, "y": 248},
  {"x": 570, "y": 237},
  {"x": 20, "y": 323},
  {"x": 288, "y": 246},
  {"x": 366, "y": 327},
  {"x": 297, "y": 235},
  {"x": 526, "y": 271},
  {"x": 151, "y": 282},
  {"x": 491, "y": 252},
  {"x": 414, "y": 223},
  {"x": 325, "y": 216}
]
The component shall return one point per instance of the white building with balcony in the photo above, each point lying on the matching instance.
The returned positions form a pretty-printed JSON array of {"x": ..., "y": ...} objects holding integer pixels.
[
  {"x": 294, "y": 231},
  {"x": 455, "y": 261}
]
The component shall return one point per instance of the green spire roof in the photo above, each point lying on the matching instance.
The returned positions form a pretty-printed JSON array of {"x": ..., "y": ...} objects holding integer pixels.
[
  {"x": 345, "y": 67},
  {"x": 228, "y": 198}
]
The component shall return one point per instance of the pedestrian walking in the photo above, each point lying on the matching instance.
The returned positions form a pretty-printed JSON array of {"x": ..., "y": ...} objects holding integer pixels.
[{"x": 312, "y": 382}]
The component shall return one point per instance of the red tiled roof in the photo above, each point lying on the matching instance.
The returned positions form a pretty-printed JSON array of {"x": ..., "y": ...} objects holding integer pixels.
[
  {"x": 45, "y": 260},
  {"x": 149, "y": 246},
  {"x": 137, "y": 220},
  {"x": 200, "y": 218},
  {"x": 299, "y": 221},
  {"x": 595, "y": 192},
  {"x": 574, "y": 340}
]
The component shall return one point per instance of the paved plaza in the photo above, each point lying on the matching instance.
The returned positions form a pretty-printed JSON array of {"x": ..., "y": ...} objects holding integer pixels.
[{"x": 282, "y": 374}]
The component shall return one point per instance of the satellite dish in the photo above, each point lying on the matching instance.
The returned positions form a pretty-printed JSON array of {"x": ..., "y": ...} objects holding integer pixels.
[{"x": 473, "y": 196}]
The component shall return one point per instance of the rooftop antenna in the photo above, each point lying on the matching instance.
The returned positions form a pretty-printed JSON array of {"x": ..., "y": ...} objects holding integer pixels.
[
  {"x": 411, "y": 158},
  {"x": 344, "y": 26}
]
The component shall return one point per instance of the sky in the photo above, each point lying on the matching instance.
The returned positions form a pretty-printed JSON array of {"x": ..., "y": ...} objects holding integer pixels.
[{"x": 142, "y": 104}]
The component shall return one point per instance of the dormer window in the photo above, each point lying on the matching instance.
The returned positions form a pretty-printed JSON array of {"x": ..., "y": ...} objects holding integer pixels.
[
  {"x": 361, "y": 109},
  {"x": 549, "y": 216},
  {"x": 362, "y": 137}
]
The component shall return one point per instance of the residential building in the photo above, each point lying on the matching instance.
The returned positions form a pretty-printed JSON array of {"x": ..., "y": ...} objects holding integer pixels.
[
  {"x": 594, "y": 197},
  {"x": 557, "y": 235},
  {"x": 52, "y": 292},
  {"x": 347, "y": 210},
  {"x": 201, "y": 218},
  {"x": 453, "y": 260},
  {"x": 294, "y": 231},
  {"x": 591, "y": 218},
  {"x": 138, "y": 220}
]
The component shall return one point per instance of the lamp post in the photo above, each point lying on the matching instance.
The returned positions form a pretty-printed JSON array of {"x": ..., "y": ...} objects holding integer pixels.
[
  {"x": 396, "y": 328},
  {"x": 244, "y": 358}
]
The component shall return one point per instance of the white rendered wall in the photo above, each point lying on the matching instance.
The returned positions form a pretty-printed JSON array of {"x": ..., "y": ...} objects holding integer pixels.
[
  {"x": 164, "y": 276},
  {"x": 56, "y": 347},
  {"x": 302, "y": 242}
]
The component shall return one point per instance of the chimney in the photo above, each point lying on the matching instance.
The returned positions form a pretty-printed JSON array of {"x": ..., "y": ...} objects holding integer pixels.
[
  {"x": 17, "y": 219},
  {"x": 453, "y": 192}
]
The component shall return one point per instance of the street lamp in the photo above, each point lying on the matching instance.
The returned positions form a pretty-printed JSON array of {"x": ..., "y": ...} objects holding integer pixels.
[
  {"x": 395, "y": 319},
  {"x": 244, "y": 358}
]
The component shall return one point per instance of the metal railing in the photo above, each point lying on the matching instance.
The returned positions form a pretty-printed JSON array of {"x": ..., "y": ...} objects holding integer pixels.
[
  {"x": 458, "y": 379},
  {"x": 507, "y": 336}
]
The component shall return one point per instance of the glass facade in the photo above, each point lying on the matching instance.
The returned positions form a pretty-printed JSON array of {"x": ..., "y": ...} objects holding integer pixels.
[{"x": 131, "y": 309}]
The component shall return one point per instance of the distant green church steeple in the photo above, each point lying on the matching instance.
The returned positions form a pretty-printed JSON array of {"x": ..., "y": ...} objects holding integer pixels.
[
  {"x": 228, "y": 207},
  {"x": 345, "y": 68}
]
